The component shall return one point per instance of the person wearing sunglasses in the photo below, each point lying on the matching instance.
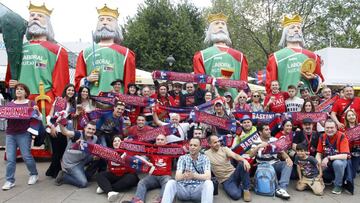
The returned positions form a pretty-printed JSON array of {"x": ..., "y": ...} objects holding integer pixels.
[
  {"x": 255, "y": 104},
  {"x": 240, "y": 102}
]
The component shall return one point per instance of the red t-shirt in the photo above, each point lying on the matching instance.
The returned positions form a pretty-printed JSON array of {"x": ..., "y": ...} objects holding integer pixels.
[
  {"x": 342, "y": 144},
  {"x": 278, "y": 106},
  {"x": 134, "y": 131},
  {"x": 342, "y": 103},
  {"x": 162, "y": 165}
]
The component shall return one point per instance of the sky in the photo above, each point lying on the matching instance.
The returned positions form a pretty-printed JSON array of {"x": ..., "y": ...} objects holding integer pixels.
[{"x": 73, "y": 20}]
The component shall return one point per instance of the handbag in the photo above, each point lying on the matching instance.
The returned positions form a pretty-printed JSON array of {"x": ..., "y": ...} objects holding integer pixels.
[{"x": 213, "y": 180}]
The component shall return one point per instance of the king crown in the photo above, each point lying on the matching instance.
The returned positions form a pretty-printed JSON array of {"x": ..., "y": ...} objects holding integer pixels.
[
  {"x": 288, "y": 20},
  {"x": 106, "y": 11},
  {"x": 218, "y": 16},
  {"x": 40, "y": 9}
]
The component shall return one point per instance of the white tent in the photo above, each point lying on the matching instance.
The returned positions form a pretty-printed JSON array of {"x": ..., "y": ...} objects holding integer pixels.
[{"x": 340, "y": 66}]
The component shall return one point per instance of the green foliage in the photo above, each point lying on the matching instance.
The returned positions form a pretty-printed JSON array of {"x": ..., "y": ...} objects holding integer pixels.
[{"x": 160, "y": 29}]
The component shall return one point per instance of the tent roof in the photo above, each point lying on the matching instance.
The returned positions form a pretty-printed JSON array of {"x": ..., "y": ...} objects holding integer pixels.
[{"x": 340, "y": 66}]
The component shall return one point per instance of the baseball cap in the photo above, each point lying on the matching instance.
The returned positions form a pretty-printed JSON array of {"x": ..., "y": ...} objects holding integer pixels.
[{"x": 307, "y": 120}]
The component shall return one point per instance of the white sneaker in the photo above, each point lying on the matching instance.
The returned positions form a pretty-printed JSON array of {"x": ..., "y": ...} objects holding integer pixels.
[
  {"x": 283, "y": 194},
  {"x": 112, "y": 196},
  {"x": 99, "y": 190},
  {"x": 33, "y": 179},
  {"x": 8, "y": 185}
]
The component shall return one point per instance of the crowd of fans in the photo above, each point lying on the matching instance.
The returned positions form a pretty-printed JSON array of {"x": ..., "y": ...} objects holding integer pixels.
[{"x": 320, "y": 152}]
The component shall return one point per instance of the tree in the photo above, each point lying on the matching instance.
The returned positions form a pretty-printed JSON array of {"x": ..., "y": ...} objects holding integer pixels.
[{"x": 160, "y": 29}]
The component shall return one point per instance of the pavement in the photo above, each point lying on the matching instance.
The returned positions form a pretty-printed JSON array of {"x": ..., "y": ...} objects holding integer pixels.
[{"x": 45, "y": 190}]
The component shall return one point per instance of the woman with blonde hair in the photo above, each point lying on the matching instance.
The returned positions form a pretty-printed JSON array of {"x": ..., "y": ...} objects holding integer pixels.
[{"x": 240, "y": 102}]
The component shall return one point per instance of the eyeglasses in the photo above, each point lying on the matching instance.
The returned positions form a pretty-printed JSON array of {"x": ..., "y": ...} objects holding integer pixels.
[
  {"x": 256, "y": 95},
  {"x": 242, "y": 97}
]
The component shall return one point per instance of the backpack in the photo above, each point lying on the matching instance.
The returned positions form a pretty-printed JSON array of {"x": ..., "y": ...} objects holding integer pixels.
[{"x": 265, "y": 180}]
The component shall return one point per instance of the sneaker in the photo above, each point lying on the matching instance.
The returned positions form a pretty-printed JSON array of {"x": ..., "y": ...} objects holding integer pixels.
[
  {"x": 33, "y": 179},
  {"x": 99, "y": 190},
  {"x": 59, "y": 178},
  {"x": 281, "y": 193},
  {"x": 337, "y": 190},
  {"x": 156, "y": 200},
  {"x": 247, "y": 196},
  {"x": 8, "y": 185},
  {"x": 112, "y": 196}
]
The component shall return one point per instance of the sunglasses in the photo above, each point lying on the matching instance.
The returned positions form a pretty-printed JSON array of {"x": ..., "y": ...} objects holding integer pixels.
[
  {"x": 121, "y": 103},
  {"x": 256, "y": 95},
  {"x": 242, "y": 97}
]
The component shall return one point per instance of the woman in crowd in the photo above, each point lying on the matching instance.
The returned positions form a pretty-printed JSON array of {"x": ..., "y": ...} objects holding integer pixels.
[
  {"x": 255, "y": 104},
  {"x": 84, "y": 104},
  {"x": 229, "y": 102},
  {"x": 58, "y": 140},
  {"x": 351, "y": 122},
  {"x": 117, "y": 178},
  {"x": 308, "y": 107},
  {"x": 132, "y": 111},
  {"x": 287, "y": 129},
  {"x": 18, "y": 136},
  {"x": 240, "y": 102},
  {"x": 163, "y": 99}
]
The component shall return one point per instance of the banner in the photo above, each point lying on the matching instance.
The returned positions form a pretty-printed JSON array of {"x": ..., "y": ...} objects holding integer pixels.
[
  {"x": 353, "y": 134},
  {"x": 151, "y": 135},
  {"x": 12, "y": 112},
  {"x": 182, "y": 77},
  {"x": 238, "y": 84},
  {"x": 223, "y": 123},
  {"x": 110, "y": 98}
]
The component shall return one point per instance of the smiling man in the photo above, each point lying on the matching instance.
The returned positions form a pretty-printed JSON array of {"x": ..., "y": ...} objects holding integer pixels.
[{"x": 111, "y": 60}]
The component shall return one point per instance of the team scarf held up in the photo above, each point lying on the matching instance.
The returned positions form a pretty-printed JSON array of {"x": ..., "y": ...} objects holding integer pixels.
[
  {"x": 111, "y": 98},
  {"x": 22, "y": 113},
  {"x": 353, "y": 134},
  {"x": 327, "y": 104},
  {"x": 223, "y": 123},
  {"x": 141, "y": 148},
  {"x": 151, "y": 135},
  {"x": 135, "y": 162},
  {"x": 200, "y": 79},
  {"x": 246, "y": 144},
  {"x": 282, "y": 144}
]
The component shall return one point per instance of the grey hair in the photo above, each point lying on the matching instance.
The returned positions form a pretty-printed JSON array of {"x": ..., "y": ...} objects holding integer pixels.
[
  {"x": 118, "y": 38},
  {"x": 210, "y": 38},
  {"x": 48, "y": 28},
  {"x": 284, "y": 36}
]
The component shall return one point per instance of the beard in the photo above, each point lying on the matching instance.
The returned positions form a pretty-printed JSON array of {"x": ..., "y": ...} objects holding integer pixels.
[
  {"x": 105, "y": 33},
  {"x": 220, "y": 36},
  {"x": 36, "y": 29},
  {"x": 295, "y": 38}
]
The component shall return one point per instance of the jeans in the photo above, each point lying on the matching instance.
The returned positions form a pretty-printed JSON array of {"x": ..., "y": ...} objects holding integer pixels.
[
  {"x": 285, "y": 171},
  {"x": 238, "y": 181},
  {"x": 108, "y": 181},
  {"x": 76, "y": 176},
  {"x": 337, "y": 171},
  {"x": 203, "y": 192},
  {"x": 23, "y": 141},
  {"x": 355, "y": 160},
  {"x": 151, "y": 182}
]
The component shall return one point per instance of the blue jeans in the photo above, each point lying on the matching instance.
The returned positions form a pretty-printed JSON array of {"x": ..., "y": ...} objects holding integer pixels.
[
  {"x": 285, "y": 172},
  {"x": 203, "y": 192},
  {"x": 76, "y": 176},
  {"x": 151, "y": 182},
  {"x": 23, "y": 141},
  {"x": 336, "y": 171},
  {"x": 238, "y": 181}
]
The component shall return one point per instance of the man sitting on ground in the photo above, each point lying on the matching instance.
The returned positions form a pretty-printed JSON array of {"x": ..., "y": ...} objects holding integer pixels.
[{"x": 236, "y": 181}]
